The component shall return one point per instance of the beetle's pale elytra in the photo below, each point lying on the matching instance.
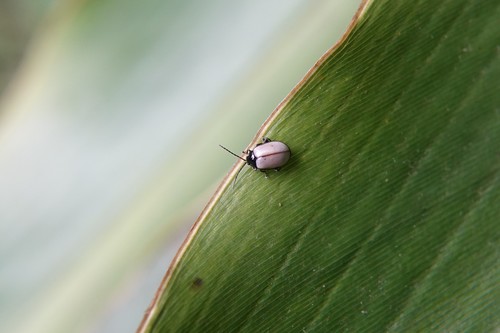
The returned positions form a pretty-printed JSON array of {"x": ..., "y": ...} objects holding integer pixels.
[{"x": 269, "y": 155}]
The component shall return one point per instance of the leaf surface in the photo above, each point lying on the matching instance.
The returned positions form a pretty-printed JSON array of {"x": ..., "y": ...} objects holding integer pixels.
[{"x": 386, "y": 217}]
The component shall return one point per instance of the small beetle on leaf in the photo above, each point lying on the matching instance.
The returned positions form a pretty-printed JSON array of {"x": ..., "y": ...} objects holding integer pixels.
[{"x": 266, "y": 155}]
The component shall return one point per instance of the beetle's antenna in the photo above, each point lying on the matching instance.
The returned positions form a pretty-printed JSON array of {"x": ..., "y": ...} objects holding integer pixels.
[
  {"x": 235, "y": 178},
  {"x": 230, "y": 152}
]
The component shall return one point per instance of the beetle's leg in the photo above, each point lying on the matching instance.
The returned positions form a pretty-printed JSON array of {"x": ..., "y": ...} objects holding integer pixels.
[
  {"x": 263, "y": 171},
  {"x": 277, "y": 169},
  {"x": 265, "y": 139}
]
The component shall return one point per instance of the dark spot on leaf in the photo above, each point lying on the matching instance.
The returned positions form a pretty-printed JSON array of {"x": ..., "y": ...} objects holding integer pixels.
[{"x": 197, "y": 283}]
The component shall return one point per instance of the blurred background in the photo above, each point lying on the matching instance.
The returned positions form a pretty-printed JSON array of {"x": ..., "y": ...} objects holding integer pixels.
[{"x": 111, "y": 112}]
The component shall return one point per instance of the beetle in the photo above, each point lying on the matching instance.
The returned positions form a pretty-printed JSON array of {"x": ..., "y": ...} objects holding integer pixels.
[{"x": 266, "y": 155}]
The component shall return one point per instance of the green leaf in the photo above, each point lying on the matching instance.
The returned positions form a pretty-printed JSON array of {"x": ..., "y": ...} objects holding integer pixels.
[{"x": 386, "y": 217}]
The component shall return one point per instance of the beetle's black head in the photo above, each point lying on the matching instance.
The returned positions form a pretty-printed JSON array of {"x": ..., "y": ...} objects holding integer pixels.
[{"x": 251, "y": 160}]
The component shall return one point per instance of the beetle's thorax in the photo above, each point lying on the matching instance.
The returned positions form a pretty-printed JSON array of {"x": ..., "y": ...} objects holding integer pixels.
[{"x": 251, "y": 159}]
